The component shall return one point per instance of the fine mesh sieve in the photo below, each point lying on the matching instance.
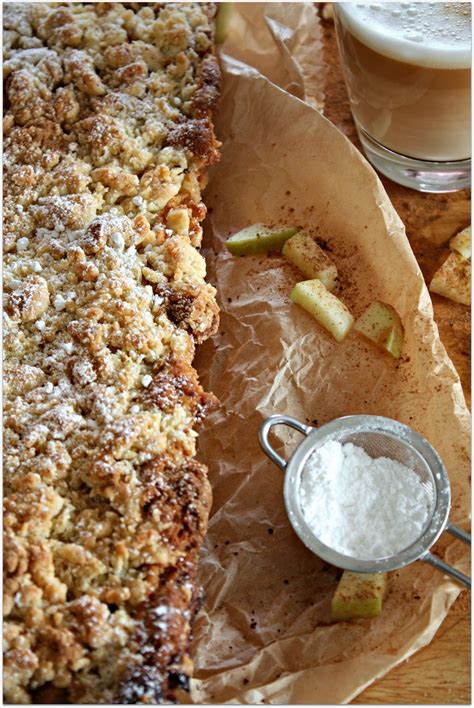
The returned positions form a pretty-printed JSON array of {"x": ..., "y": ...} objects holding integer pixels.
[{"x": 379, "y": 437}]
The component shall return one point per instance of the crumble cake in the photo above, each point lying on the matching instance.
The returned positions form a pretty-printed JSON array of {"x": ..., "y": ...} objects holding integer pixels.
[{"x": 108, "y": 130}]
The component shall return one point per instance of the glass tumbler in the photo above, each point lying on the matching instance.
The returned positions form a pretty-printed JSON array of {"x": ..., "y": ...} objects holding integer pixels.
[{"x": 407, "y": 68}]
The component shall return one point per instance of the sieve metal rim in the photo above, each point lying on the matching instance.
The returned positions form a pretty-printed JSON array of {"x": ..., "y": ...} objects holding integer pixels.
[{"x": 364, "y": 423}]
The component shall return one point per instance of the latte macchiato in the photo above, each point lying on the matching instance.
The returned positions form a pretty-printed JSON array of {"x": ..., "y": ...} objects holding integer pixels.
[{"x": 407, "y": 68}]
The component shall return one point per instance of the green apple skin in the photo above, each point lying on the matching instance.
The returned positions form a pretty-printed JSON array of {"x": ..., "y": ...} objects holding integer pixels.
[
  {"x": 381, "y": 324},
  {"x": 325, "y": 307},
  {"x": 224, "y": 14},
  {"x": 394, "y": 342},
  {"x": 259, "y": 239}
]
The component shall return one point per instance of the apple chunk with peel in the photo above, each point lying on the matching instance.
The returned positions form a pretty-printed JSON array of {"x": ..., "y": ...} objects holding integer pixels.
[
  {"x": 453, "y": 279},
  {"x": 381, "y": 324},
  {"x": 259, "y": 239},
  {"x": 304, "y": 253},
  {"x": 358, "y": 595},
  {"x": 462, "y": 243},
  {"x": 325, "y": 307},
  {"x": 222, "y": 21}
]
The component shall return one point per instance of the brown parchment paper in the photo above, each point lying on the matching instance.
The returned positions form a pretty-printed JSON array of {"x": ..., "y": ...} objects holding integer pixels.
[
  {"x": 284, "y": 41},
  {"x": 264, "y": 634}
]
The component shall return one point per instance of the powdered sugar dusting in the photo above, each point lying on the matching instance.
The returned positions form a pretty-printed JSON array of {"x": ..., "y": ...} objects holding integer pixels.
[
  {"x": 364, "y": 507},
  {"x": 104, "y": 505}
]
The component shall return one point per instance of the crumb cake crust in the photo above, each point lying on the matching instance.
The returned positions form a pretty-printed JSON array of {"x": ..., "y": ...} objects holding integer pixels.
[{"x": 107, "y": 134}]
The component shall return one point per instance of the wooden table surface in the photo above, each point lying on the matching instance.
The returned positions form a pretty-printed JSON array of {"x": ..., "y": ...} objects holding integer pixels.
[{"x": 441, "y": 672}]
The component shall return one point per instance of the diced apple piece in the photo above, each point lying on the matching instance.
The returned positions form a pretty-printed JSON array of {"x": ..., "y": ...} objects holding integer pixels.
[
  {"x": 259, "y": 239},
  {"x": 462, "y": 243},
  {"x": 304, "y": 253},
  {"x": 328, "y": 11},
  {"x": 222, "y": 21},
  {"x": 394, "y": 341},
  {"x": 325, "y": 307},
  {"x": 381, "y": 324},
  {"x": 358, "y": 595},
  {"x": 453, "y": 279}
]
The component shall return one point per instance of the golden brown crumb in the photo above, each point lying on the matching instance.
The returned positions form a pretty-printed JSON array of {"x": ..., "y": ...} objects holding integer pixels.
[{"x": 107, "y": 133}]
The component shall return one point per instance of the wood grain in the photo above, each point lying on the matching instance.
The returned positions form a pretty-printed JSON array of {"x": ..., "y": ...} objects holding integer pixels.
[
  {"x": 438, "y": 674},
  {"x": 441, "y": 672}
]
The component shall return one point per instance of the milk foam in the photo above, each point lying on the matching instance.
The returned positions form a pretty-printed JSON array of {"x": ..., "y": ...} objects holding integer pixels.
[{"x": 429, "y": 34}]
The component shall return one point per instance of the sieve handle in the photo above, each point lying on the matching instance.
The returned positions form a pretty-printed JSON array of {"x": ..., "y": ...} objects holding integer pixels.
[
  {"x": 459, "y": 533},
  {"x": 268, "y": 424},
  {"x": 446, "y": 568}
]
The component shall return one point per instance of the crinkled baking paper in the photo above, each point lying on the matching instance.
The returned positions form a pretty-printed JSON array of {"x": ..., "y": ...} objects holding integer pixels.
[{"x": 264, "y": 634}]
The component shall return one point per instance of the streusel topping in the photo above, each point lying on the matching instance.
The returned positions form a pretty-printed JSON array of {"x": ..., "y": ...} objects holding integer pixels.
[{"x": 107, "y": 133}]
